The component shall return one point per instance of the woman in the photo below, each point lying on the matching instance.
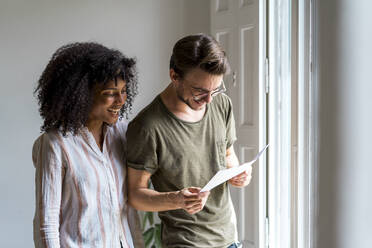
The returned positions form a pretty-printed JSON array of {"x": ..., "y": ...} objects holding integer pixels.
[{"x": 81, "y": 194}]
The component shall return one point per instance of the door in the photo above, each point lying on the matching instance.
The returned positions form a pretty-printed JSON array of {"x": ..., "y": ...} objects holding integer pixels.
[{"x": 236, "y": 25}]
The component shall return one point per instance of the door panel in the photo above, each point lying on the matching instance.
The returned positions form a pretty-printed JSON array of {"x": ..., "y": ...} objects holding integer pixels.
[{"x": 235, "y": 24}]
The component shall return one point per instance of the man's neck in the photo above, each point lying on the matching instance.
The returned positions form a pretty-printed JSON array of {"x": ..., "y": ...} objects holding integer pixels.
[{"x": 179, "y": 108}]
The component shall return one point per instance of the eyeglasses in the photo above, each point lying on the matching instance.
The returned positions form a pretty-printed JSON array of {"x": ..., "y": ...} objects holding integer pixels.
[{"x": 202, "y": 94}]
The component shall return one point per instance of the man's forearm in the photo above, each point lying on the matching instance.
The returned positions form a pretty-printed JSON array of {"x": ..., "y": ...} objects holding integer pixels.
[
  {"x": 142, "y": 198},
  {"x": 232, "y": 160},
  {"x": 153, "y": 201}
]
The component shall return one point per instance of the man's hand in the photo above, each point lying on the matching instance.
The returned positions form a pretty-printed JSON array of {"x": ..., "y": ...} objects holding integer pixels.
[
  {"x": 242, "y": 179},
  {"x": 191, "y": 200}
]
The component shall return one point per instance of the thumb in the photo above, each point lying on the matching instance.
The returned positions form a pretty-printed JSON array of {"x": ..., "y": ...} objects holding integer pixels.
[{"x": 187, "y": 192}]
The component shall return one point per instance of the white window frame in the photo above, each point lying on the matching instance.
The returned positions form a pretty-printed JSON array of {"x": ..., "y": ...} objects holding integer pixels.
[
  {"x": 292, "y": 184},
  {"x": 279, "y": 172},
  {"x": 307, "y": 128}
]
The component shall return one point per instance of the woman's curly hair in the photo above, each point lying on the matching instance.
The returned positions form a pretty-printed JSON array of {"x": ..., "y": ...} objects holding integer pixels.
[{"x": 66, "y": 88}]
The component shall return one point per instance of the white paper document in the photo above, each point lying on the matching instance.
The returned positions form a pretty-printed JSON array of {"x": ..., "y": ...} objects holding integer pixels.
[{"x": 224, "y": 175}]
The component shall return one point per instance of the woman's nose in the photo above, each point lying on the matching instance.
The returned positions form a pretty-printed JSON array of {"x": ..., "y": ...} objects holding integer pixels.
[{"x": 121, "y": 98}]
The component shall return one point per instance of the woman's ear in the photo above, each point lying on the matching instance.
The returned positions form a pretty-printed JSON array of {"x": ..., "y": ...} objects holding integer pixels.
[{"x": 173, "y": 76}]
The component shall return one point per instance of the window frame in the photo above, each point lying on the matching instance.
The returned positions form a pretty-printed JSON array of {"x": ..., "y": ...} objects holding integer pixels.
[{"x": 292, "y": 125}]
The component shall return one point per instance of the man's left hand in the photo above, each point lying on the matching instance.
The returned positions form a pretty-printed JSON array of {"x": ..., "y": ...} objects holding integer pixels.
[{"x": 242, "y": 179}]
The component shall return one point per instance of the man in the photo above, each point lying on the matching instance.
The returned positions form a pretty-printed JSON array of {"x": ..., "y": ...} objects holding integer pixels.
[{"x": 180, "y": 141}]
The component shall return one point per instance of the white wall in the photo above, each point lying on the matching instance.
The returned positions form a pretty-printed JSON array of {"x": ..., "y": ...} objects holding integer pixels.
[
  {"x": 30, "y": 31},
  {"x": 344, "y": 40}
]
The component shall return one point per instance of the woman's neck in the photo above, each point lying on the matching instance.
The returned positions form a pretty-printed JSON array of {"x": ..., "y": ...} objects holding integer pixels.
[{"x": 96, "y": 128}]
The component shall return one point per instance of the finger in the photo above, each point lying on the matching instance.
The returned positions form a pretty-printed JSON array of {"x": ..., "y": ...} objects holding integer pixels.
[
  {"x": 238, "y": 180},
  {"x": 194, "y": 189},
  {"x": 239, "y": 185},
  {"x": 190, "y": 196},
  {"x": 195, "y": 209},
  {"x": 192, "y": 203},
  {"x": 204, "y": 194},
  {"x": 241, "y": 182},
  {"x": 246, "y": 172},
  {"x": 187, "y": 192},
  {"x": 240, "y": 176}
]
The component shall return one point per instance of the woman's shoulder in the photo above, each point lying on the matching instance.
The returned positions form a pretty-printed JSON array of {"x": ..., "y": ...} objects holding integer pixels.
[
  {"x": 116, "y": 134},
  {"x": 53, "y": 137},
  {"x": 46, "y": 143},
  {"x": 120, "y": 126},
  {"x": 46, "y": 138}
]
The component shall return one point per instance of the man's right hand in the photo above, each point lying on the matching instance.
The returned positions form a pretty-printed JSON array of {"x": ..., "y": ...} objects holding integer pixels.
[
  {"x": 191, "y": 200},
  {"x": 142, "y": 198}
]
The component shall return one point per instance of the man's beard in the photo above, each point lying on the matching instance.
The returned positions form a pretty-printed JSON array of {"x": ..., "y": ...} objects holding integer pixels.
[
  {"x": 179, "y": 96},
  {"x": 180, "y": 91}
]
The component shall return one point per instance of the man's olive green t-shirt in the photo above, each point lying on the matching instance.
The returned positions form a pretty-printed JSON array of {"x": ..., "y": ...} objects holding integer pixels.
[{"x": 182, "y": 154}]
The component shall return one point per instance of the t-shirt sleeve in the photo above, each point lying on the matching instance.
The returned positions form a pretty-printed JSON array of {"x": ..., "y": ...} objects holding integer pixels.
[
  {"x": 141, "y": 148},
  {"x": 230, "y": 125}
]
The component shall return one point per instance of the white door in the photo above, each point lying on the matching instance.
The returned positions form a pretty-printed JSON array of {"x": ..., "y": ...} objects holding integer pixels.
[{"x": 235, "y": 24}]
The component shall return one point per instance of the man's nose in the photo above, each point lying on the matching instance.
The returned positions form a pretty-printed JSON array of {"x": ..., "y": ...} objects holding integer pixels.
[{"x": 209, "y": 97}]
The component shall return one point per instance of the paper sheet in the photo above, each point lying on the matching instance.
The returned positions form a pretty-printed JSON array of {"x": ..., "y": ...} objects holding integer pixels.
[{"x": 224, "y": 175}]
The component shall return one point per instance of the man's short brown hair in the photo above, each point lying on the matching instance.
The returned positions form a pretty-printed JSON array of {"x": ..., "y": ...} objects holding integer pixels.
[{"x": 199, "y": 51}]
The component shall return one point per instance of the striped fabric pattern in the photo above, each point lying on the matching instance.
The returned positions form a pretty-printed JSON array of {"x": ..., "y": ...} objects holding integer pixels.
[{"x": 81, "y": 192}]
